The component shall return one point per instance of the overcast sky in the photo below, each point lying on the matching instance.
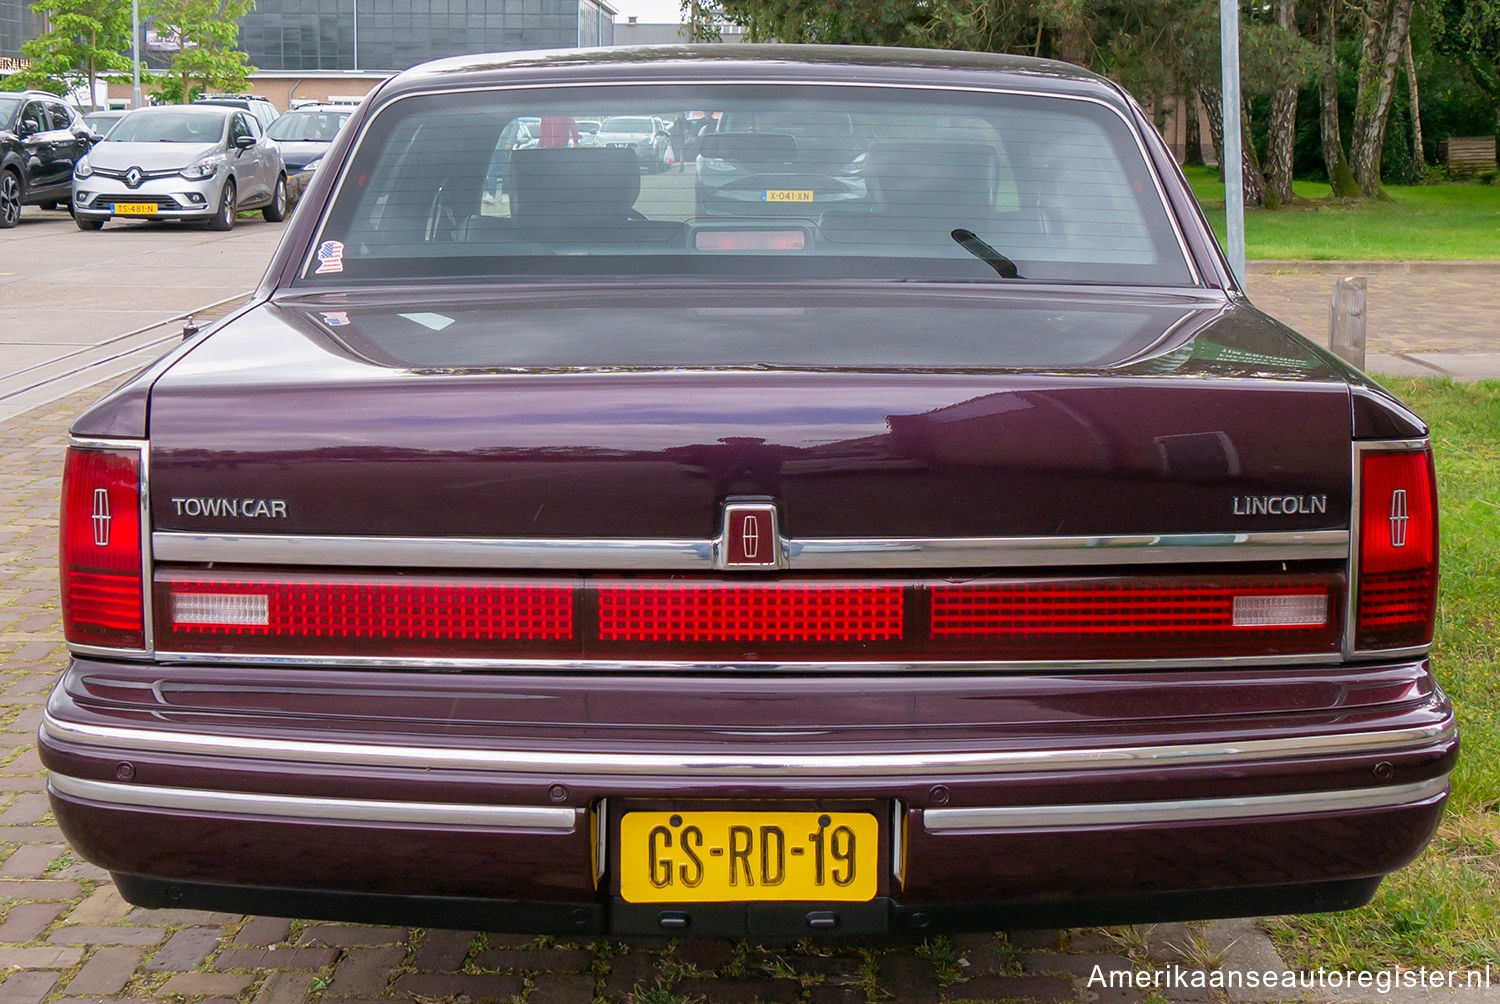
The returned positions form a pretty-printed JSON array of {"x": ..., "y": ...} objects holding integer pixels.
[{"x": 649, "y": 11}]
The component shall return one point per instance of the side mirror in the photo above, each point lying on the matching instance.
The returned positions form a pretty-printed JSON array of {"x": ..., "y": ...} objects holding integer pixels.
[
  {"x": 29, "y": 126},
  {"x": 244, "y": 142}
]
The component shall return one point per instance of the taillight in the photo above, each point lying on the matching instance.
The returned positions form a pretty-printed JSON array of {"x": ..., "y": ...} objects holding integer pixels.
[
  {"x": 100, "y": 548},
  {"x": 1396, "y": 597}
]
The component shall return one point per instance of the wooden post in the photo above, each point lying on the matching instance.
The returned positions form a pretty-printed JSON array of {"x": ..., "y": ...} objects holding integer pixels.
[{"x": 1346, "y": 320}]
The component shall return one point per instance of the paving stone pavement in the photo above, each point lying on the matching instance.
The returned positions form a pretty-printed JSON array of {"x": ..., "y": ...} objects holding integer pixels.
[{"x": 67, "y": 936}]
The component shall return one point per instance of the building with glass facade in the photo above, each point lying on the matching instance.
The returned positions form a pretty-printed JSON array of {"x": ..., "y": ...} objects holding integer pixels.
[
  {"x": 387, "y": 35},
  {"x": 17, "y": 24}
]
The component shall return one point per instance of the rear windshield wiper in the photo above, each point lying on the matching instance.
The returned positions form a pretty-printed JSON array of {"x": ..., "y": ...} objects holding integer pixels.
[{"x": 971, "y": 243}]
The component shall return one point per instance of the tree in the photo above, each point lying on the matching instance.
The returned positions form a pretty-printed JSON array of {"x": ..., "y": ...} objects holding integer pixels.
[
  {"x": 1340, "y": 178},
  {"x": 1281, "y": 134},
  {"x": 205, "y": 58},
  {"x": 83, "y": 39},
  {"x": 1387, "y": 24}
]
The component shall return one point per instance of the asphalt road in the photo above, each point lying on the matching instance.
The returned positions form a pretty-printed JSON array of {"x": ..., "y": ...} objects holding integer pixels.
[{"x": 77, "y": 308}]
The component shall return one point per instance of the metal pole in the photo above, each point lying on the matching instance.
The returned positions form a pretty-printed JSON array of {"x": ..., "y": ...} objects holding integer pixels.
[
  {"x": 135, "y": 53},
  {"x": 356, "y": 35},
  {"x": 1234, "y": 178}
]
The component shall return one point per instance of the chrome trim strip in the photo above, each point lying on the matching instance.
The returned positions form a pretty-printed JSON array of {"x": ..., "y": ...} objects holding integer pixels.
[
  {"x": 1356, "y": 506},
  {"x": 132, "y": 741},
  {"x": 1053, "y": 817},
  {"x": 425, "y": 664},
  {"x": 810, "y": 554},
  {"x": 1130, "y": 126},
  {"x": 542, "y": 819}
]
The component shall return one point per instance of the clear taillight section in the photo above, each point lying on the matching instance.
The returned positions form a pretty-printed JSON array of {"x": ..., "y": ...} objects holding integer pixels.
[
  {"x": 100, "y": 549},
  {"x": 1397, "y": 565},
  {"x": 691, "y": 618}
]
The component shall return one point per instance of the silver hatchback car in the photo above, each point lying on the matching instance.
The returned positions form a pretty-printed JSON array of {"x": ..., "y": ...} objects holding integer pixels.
[{"x": 177, "y": 162}]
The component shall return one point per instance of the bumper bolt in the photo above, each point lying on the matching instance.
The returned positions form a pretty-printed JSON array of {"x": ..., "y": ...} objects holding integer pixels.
[
  {"x": 558, "y": 793},
  {"x": 1384, "y": 771},
  {"x": 940, "y": 794},
  {"x": 125, "y": 772}
]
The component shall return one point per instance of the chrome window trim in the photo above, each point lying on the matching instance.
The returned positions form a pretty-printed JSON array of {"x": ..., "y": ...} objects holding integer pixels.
[
  {"x": 1356, "y": 506},
  {"x": 1064, "y": 817},
  {"x": 541, "y": 819},
  {"x": 1130, "y": 126},
  {"x": 142, "y": 447},
  {"x": 112, "y": 740},
  {"x": 808, "y": 554}
]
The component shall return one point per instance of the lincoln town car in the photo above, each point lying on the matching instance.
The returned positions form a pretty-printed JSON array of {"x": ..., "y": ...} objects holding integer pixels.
[{"x": 931, "y": 537}]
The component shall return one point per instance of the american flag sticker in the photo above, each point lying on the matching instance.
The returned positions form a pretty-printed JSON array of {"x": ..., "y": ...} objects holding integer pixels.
[{"x": 330, "y": 257}]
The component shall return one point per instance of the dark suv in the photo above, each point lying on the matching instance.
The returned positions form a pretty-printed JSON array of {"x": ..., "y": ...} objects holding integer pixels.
[{"x": 40, "y": 139}]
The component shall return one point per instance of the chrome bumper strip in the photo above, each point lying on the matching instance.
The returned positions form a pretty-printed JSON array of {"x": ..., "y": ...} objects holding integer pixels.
[
  {"x": 1054, "y": 817},
  {"x": 813, "y": 554},
  {"x": 133, "y": 741},
  {"x": 542, "y": 819}
]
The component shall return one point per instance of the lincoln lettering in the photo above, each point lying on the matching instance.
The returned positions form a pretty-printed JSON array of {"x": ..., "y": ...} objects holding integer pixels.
[
  {"x": 243, "y": 508},
  {"x": 1280, "y": 505}
]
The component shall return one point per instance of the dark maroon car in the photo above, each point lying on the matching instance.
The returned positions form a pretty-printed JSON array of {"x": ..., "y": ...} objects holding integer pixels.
[{"x": 950, "y": 546}]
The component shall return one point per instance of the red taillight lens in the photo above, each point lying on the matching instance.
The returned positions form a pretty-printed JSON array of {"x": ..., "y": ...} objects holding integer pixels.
[
  {"x": 1131, "y": 618},
  {"x": 100, "y": 549},
  {"x": 369, "y": 615},
  {"x": 697, "y": 613},
  {"x": 1397, "y": 597}
]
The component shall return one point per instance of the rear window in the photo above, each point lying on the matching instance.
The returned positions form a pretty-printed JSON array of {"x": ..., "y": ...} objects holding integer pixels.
[{"x": 755, "y": 182}]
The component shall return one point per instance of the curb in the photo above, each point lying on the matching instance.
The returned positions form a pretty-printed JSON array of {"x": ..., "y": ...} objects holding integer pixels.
[{"x": 1263, "y": 266}]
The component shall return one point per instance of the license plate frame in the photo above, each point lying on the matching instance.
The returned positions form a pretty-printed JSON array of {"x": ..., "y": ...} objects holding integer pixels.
[
  {"x": 134, "y": 208},
  {"x": 868, "y": 820}
]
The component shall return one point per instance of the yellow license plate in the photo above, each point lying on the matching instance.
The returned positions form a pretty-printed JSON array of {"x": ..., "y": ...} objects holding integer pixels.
[
  {"x": 788, "y": 195},
  {"x": 729, "y": 857},
  {"x": 134, "y": 209}
]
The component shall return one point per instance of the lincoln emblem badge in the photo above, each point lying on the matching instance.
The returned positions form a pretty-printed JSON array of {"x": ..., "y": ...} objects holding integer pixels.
[
  {"x": 101, "y": 517},
  {"x": 1399, "y": 518},
  {"x": 749, "y": 538}
]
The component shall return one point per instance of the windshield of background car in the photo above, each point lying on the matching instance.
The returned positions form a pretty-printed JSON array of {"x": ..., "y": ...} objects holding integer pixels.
[
  {"x": 176, "y": 125},
  {"x": 307, "y": 127},
  {"x": 793, "y": 182}
]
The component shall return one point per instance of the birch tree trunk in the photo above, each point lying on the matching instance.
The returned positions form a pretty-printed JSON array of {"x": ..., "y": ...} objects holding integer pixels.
[
  {"x": 1254, "y": 182},
  {"x": 1339, "y": 176},
  {"x": 1193, "y": 143},
  {"x": 1418, "y": 158},
  {"x": 1282, "y": 135},
  {"x": 1387, "y": 25}
]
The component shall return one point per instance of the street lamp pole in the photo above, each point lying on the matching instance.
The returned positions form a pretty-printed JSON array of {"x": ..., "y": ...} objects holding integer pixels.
[
  {"x": 356, "y": 35},
  {"x": 135, "y": 53},
  {"x": 1234, "y": 176}
]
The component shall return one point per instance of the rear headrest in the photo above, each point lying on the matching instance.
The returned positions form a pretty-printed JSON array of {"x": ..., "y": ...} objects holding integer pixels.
[
  {"x": 932, "y": 178},
  {"x": 573, "y": 184}
]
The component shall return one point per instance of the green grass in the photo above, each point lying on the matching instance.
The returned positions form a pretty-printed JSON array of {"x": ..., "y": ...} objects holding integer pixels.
[
  {"x": 1444, "y": 910},
  {"x": 1448, "y": 222}
]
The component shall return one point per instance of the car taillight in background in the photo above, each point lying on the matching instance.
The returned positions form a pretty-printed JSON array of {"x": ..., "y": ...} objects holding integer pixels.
[
  {"x": 100, "y": 548},
  {"x": 1396, "y": 598}
]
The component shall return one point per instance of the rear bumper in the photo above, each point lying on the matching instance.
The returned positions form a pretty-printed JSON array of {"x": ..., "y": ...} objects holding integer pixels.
[{"x": 453, "y": 799}]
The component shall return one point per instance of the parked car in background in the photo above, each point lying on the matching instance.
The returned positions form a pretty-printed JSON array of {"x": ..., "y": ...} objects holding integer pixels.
[
  {"x": 818, "y": 153},
  {"x": 643, "y": 135},
  {"x": 588, "y": 132},
  {"x": 102, "y": 121},
  {"x": 264, "y": 111},
  {"x": 972, "y": 555},
  {"x": 41, "y": 137},
  {"x": 304, "y": 134},
  {"x": 199, "y": 162}
]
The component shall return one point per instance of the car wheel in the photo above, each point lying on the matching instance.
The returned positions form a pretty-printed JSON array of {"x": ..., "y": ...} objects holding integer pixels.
[
  {"x": 276, "y": 211},
  {"x": 84, "y": 224},
  {"x": 10, "y": 199},
  {"x": 224, "y": 218}
]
